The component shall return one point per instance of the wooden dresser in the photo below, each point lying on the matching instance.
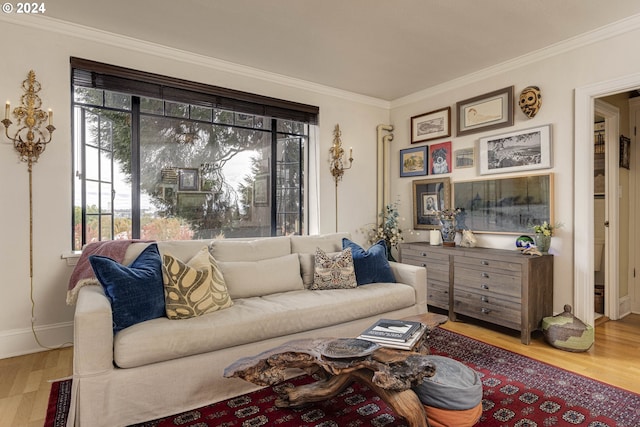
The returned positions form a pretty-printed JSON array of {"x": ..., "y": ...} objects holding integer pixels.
[{"x": 498, "y": 286}]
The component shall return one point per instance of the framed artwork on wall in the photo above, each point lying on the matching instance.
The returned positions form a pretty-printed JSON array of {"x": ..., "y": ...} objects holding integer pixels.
[
  {"x": 491, "y": 110},
  {"x": 433, "y": 125},
  {"x": 625, "y": 154},
  {"x": 261, "y": 190},
  {"x": 520, "y": 150},
  {"x": 413, "y": 161},
  {"x": 440, "y": 156},
  {"x": 505, "y": 205},
  {"x": 189, "y": 180},
  {"x": 429, "y": 196},
  {"x": 464, "y": 158}
]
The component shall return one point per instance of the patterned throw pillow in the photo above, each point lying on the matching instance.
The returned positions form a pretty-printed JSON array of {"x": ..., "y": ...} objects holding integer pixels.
[
  {"x": 334, "y": 272},
  {"x": 194, "y": 288}
]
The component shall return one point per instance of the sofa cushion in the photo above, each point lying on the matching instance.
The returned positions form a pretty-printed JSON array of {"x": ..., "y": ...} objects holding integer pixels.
[
  {"x": 135, "y": 291},
  {"x": 334, "y": 272},
  {"x": 256, "y": 319},
  {"x": 371, "y": 265},
  {"x": 255, "y": 278},
  {"x": 194, "y": 288},
  {"x": 250, "y": 250},
  {"x": 327, "y": 242}
]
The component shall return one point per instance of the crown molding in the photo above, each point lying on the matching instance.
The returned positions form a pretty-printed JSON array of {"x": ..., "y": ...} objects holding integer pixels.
[
  {"x": 612, "y": 30},
  {"x": 45, "y": 23}
]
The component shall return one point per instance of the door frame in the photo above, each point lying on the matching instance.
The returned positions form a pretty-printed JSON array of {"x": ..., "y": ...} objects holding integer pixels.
[
  {"x": 583, "y": 235},
  {"x": 611, "y": 116}
]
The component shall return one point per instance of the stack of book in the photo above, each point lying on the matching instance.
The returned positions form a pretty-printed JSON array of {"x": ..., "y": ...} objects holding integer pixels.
[{"x": 399, "y": 334}]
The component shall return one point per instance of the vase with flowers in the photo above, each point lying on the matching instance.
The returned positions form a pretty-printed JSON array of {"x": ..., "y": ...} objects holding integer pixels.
[
  {"x": 447, "y": 219},
  {"x": 543, "y": 233}
]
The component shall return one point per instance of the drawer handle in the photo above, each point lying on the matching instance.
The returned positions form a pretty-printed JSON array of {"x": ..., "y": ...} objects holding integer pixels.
[
  {"x": 423, "y": 254},
  {"x": 484, "y": 299},
  {"x": 423, "y": 264},
  {"x": 484, "y": 286},
  {"x": 485, "y": 275},
  {"x": 485, "y": 311},
  {"x": 483, "y": 262}
]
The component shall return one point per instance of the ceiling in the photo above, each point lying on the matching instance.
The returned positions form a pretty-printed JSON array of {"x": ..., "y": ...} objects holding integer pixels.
[{"x": 385, "y": 49}]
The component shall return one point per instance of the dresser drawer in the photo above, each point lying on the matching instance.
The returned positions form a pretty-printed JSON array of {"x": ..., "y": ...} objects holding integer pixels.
[
  {"x": 438, "y": 294},
  {"x": 480, "y": 263},
  {"x": 487, "y": 281},
  {"x": 425, "y": 254},
  {"x": 491, "y": 309},
  {"x": 429, "y": 263}
]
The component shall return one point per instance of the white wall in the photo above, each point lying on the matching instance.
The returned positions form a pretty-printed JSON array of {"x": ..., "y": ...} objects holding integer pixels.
[
  {"x": 557, "y": 71},
  {"x": 45, "y": 46}
]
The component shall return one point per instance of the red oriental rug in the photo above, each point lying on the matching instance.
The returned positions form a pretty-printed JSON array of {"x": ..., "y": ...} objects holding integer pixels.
[{"x": 518, "y": 392}]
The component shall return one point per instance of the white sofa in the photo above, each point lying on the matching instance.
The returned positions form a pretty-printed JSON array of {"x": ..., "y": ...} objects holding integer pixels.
[{"x": 162, "y": 367}]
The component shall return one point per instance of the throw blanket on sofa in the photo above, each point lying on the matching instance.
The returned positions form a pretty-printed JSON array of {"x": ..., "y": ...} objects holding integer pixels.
[{"x": 83, "y": 275}]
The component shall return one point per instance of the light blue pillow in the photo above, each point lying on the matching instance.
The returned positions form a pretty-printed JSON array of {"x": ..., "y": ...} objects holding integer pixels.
[
  {"x": 371, "y": 265},
  {"x": 136, "y": 292}
]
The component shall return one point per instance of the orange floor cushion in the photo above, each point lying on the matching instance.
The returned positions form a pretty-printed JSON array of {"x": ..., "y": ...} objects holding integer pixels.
[{"x": 439, "y": 417}]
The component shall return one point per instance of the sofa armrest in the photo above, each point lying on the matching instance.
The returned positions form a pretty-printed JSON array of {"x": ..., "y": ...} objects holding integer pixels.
[
  {"x": 92, "y": 332},
  {"x": 414, "y": 276}
]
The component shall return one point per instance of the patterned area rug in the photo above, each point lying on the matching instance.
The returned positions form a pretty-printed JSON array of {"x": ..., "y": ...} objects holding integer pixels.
[{"x": 518, "y": 392}]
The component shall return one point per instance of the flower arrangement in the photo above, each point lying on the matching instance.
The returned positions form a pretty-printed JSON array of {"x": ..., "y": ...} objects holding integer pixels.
[
  {"x": 388, "y": 229},
  {"x": 545, "y": 228},
  {"x": 448, "y": 214}
]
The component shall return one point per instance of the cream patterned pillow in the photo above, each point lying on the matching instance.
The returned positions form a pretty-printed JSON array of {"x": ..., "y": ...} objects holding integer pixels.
[
  {"x": 194, "y": 288},
  {"x": 334, "y": 271}
]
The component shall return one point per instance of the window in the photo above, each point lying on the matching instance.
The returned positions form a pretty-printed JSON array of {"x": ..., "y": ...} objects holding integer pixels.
[{"x": 163, "y": 159}]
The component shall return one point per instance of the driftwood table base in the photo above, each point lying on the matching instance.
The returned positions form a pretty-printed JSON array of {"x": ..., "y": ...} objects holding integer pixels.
[{"x": 390, "y": 373}]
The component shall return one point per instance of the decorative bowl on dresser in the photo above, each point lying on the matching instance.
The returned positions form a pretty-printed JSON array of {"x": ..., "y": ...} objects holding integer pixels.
[{"x": 498, "y": 286}]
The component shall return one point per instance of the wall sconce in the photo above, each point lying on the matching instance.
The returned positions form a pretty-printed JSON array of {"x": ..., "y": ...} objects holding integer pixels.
[
  {"x": 336, "y": 164},
  {"x": 29, "y": 139},
  {"x": 337, "y": 153}
]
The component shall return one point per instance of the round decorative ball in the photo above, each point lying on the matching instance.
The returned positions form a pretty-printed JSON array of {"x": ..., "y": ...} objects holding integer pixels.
[{"x": 524, "y": 242}]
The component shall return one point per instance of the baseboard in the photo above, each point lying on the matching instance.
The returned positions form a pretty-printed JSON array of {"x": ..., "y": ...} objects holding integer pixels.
[
  {"x": 18, "y": 342},
  {"x": 624, "y": 306}
]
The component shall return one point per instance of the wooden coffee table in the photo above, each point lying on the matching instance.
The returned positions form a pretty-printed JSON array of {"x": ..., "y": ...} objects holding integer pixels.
[{"x": 339, "y": 361}]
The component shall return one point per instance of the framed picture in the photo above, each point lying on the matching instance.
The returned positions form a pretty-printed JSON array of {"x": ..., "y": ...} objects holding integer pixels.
[
  {"x": 464, "y": 158},
  {"x": 430, "y": 196},
  {"x": 261, "y": 190},
  {"x": 440, "y": 158},
  {"x": 413, "y": 161},
  {"x": 191, "y": 204},
  {"x": 492, "y": 110},
  {"x": 433, "y": 125},
  {"x": 505, "y": 205},
  {"x": 625, "y": 144},
  {"x": 516, "y": 151},
  {"x": 188, "y": 180}
]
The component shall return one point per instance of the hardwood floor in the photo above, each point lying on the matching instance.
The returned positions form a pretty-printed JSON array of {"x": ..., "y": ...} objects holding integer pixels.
[
  {"x": 25, "y": 380},
  {"x": 25, "y": 385},
  {"x": 612, "y": 359}
]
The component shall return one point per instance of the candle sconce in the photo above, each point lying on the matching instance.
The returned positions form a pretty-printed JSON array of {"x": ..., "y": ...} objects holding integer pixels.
[
  {"x": 29, "y": 139},
  {"x": 336, "y": 164},
  {"x": 337, "y": 153}
]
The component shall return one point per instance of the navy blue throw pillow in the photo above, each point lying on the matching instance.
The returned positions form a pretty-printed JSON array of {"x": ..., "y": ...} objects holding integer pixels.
[
  {"x": 136, "y": 291},
  {"x": 371, "y": 265}
]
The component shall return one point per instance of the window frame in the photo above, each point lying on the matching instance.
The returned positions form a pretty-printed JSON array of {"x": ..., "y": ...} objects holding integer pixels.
[{"x": 111, "y": 78}]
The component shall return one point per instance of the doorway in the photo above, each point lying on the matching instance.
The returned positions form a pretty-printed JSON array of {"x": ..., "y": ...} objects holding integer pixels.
[
  {"x": 607, "y": 199},
  {"x": 583, "y": 241}
]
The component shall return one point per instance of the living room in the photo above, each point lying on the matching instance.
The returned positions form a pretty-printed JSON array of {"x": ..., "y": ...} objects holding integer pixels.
[{"x": 570, "y": 74}]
